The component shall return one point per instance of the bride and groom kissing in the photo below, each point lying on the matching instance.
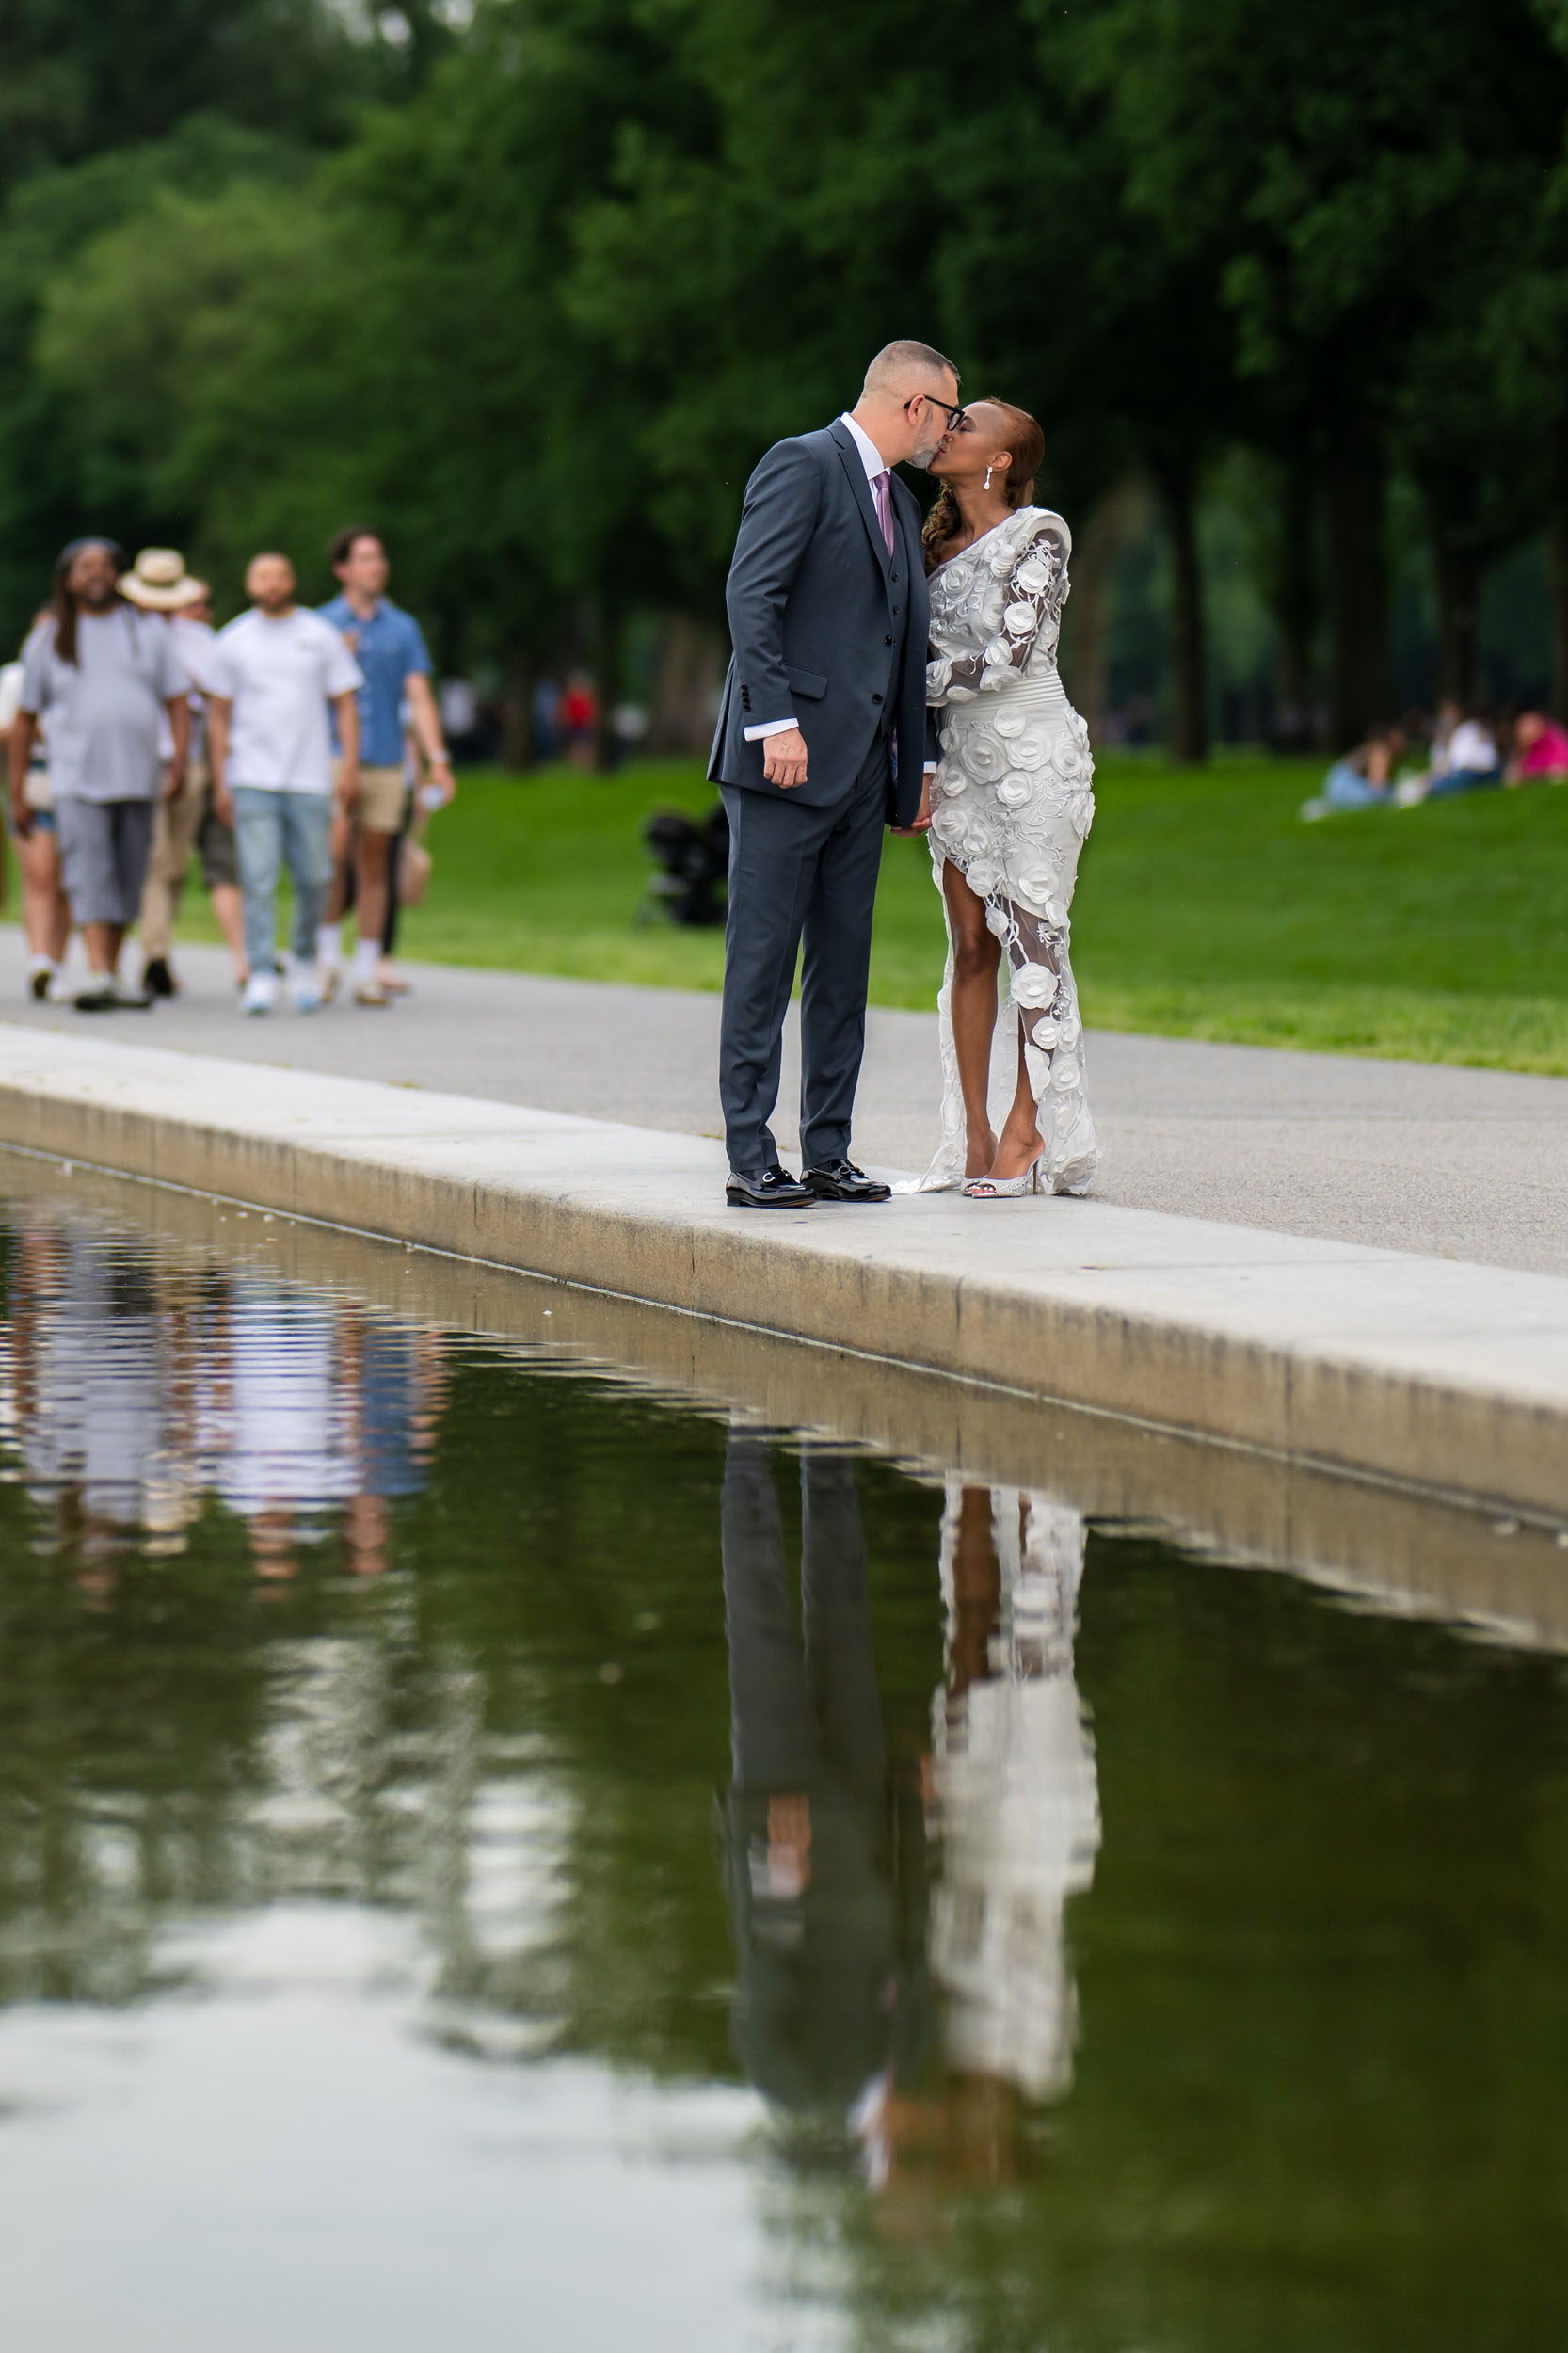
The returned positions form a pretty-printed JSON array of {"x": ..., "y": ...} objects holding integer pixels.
[{"x": 886, "y": 673}]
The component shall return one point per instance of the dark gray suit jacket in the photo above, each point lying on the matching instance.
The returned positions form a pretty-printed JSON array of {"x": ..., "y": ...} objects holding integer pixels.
[{"x": 825, "y": 624}]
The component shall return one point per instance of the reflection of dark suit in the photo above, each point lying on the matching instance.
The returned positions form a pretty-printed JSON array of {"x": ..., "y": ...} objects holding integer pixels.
[
  {"x": 829, "y": 629},
  {"x": 812, "y": 2019}
]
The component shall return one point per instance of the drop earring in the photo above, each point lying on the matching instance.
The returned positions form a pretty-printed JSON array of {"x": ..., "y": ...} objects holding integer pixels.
[{"x": 986, "y": 484}]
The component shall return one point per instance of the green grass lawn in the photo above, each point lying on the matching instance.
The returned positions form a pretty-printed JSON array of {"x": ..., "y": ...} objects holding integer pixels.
[{"x": 1204, "y": 908}]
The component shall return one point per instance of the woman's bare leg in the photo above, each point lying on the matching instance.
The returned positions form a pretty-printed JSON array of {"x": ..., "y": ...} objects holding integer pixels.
[
  {"x": 228, "y": 905},
  {"x": 976, "y": 955},
  {"x": 46, "y": 913},
  {"x": 1019, "y": 1140},
  {"x": 1034, "y": 944}
]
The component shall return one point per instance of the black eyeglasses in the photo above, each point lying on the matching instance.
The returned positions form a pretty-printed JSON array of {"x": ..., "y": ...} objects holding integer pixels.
[{"x": 955, "y": 416}]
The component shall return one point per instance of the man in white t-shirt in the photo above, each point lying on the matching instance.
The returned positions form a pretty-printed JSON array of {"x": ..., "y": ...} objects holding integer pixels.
[{"x": 270, "y": 678}]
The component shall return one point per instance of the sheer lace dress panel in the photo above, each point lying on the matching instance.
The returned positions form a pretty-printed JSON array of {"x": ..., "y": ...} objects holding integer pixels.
[{"x": 1036, "y": 591}]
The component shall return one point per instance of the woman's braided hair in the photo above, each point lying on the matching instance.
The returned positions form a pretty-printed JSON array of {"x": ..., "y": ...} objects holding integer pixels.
[{"x": 1025, "y": 444}]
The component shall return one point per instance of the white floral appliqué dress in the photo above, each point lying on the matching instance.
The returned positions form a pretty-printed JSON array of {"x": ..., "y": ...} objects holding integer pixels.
[{"x": 1012, "y": 802}]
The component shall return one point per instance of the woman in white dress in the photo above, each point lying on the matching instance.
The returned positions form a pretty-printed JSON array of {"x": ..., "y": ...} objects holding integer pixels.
[
  {"x": 1009, "y": 808},
  {"x": 1016, "y": 1784}
]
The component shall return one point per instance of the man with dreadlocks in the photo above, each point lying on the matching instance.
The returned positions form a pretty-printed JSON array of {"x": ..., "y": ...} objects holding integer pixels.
[{"x": 107, "y": 675}]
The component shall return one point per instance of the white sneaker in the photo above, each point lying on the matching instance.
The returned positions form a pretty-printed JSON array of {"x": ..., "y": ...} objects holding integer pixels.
[
  {"x": 305, "y": 989},
  {"x": 261, "y": 992}
]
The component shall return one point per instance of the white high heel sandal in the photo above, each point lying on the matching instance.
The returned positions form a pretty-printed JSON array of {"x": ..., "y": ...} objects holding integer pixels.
[{"x": 1004, "y": 1188}]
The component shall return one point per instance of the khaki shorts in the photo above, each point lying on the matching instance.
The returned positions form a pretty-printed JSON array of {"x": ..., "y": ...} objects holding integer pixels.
[{"x": 383, "y": 796}]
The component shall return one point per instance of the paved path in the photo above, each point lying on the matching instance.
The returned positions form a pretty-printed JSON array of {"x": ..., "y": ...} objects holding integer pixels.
[
  {"x": 1469, "y": 1164},
  {"x": 1454, "y": 1377}
]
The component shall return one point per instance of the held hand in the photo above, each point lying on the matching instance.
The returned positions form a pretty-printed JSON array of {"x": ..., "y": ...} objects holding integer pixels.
[
  {"x": 174, "y": 776},
  {"x": 921, "y": 822},
  {"x": 784, "y": 759},
  {"x": 348, "y": 786},
  {"x": 21, "y": 817},
  {"x": 441, "y": 781},
  {"x": 223, "y": 806}
]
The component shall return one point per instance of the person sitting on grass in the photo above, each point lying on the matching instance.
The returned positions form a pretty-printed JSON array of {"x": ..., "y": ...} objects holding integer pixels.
[
  {"x": 1475, "y": 764},
  {"x": 1540, "y": 751},
  {"x": 1361, "y": 779}
]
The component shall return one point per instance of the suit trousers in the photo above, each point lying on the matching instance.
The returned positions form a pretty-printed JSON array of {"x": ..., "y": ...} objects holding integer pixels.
[
  {"x": 804, "y": 1701},
  {"x": 799, "y": 876}
]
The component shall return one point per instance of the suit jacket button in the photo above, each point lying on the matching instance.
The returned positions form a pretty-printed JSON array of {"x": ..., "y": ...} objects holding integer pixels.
[
  {"x": 886, "y": 641},
  {"x": 876, "y": 698}
]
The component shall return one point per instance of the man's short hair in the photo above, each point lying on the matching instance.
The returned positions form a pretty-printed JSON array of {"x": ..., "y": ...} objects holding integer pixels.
[
  {"x": 344, "y": 542},
  {"x": 896, "y": 363}
]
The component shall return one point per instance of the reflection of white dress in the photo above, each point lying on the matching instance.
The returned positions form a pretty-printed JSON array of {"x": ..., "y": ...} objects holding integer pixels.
[
  {"x": 1011, "y": 802},
  {"x": 1019, "y": 1802}
]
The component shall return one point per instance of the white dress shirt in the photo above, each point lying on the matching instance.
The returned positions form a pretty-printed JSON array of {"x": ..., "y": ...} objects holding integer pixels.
[{"x": 875, "y": 463}]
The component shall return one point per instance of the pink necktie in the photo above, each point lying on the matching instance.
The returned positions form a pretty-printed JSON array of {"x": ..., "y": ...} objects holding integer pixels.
[{"x": 883, "y": 486}]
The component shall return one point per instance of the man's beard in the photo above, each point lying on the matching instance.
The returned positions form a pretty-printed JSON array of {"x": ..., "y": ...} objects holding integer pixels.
[{"x": 923, "y": 455}]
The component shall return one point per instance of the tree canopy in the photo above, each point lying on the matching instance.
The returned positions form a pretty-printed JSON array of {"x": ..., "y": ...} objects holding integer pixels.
[{"x": 533, "y": 283}]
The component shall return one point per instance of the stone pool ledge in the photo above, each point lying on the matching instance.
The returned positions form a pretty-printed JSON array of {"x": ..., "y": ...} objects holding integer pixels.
[{"x": 1449, "y": 1376}]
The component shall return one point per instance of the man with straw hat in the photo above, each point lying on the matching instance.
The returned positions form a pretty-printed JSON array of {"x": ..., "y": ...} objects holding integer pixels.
[{"x": 159, "y": 582}]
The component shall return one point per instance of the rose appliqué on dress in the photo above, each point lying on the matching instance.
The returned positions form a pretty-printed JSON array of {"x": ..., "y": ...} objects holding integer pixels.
[{"x": 985, "y": 758}]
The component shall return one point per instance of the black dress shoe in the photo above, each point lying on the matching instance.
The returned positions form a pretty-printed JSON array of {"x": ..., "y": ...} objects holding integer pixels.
[
  {"x": 768, "y": 1189},
  {"x": 841, "y": 1181},
  {"x": 156, "y": 978}
]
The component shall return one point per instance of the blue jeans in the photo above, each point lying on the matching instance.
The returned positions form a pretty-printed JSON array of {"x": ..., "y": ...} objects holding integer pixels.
[
  {"x": 272, "y": 830},
  {"x": 1345, "y": 787}
]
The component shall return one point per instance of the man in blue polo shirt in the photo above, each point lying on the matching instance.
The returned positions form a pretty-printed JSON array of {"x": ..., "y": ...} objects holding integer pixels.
[{"x": 387, "y": 644}]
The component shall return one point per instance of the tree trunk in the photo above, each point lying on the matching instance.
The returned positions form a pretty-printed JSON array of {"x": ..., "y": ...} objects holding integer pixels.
[
  {"x": 1459, "y": 583},
  {"x": 688, "y": 677},
  {"x": 1558, "y": 546},
  {"x": 1175, "y": 479},
  {"x": 1297, "y": 604},
  {"x": 1361, "y": 692},
  {"x": 1458, "y": 570},
  {"x": 517, "y": 705},
  {"x": 1086, "y": 624}
]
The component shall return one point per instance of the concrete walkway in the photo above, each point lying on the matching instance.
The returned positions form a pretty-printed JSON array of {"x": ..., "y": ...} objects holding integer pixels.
[
  {"x": 1462, "y": 1164},
  {"x": 1453, "y": 1377}
]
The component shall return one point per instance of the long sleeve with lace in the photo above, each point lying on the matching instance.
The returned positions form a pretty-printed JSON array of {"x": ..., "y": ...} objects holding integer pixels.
[{"x": 1038, "y": 588}]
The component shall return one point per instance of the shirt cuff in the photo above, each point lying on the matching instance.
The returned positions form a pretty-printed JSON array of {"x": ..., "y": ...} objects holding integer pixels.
[
  {"x": 931, "y": 767},
  {"x": 769, "y": 727}
]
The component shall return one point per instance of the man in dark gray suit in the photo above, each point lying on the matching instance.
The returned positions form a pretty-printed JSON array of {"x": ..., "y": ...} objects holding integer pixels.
[{"x": 823, "y": 740}]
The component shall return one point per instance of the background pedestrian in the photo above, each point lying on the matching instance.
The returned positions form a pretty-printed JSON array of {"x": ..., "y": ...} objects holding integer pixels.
[
  {"x": 395, "y": 665},
  {"x": 158, "y": 582},
  {"x": 108, "y": 677},
  {"x": 31, "y": 812},
  {"x": 271, "y": 676}
]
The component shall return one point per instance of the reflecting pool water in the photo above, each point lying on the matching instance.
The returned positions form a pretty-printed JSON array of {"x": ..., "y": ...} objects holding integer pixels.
[{"x": 493, "y": 1855}]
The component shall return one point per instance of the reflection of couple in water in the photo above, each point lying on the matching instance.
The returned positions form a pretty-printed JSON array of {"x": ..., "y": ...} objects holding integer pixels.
[{"x": 926, "y": 2004}]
